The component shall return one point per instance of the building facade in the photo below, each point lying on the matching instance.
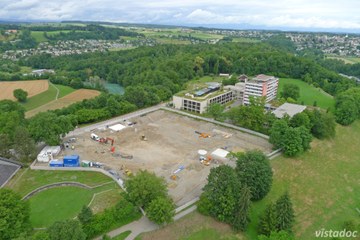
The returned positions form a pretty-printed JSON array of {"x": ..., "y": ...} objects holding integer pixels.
[
  {"x": 193, "y": 104},
  {"x": 261, "y": 86}
]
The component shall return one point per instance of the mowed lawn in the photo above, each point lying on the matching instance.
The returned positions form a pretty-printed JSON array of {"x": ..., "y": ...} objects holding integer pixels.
[
  {"x": 62, "y": 203},
  {"x": 324, "y": 184},
  {"x": 309, "y": 94},
  {"x": 57, "y": 204},
  {"x": 47, "y": 96},
  {"x": 28, "y": 180},
  {"x": 194, "y": 226}
]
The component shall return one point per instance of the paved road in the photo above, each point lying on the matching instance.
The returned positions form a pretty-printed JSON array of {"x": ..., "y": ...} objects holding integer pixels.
[{"x": 143, "y": 225}]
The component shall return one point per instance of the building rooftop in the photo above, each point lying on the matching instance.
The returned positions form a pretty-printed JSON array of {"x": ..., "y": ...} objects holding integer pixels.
[
  {"x": 289, "y": 109},
  {"x": 213, "y": 89},
  {"x": 261, "y": 78}
]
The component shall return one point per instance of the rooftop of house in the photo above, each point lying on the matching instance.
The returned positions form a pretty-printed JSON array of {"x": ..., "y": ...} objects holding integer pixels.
[
  {"x": 289, "y": 109},
  {"x": 262, "y": 78}
]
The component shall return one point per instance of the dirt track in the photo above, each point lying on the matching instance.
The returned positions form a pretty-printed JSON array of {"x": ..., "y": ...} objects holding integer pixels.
[
  {"x": 171, "y": 142},
  {"x": 31, "y": 87}
]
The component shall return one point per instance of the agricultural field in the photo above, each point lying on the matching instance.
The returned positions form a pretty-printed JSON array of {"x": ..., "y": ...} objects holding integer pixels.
[
  {"x": 62, "y": 203},
  {"x": 54, "y": 91},
  {"x": 40, "y": 37},
  {"x": 309, "y": 94},
  {"x": 62, "y": 102},
  {"x": 346, "y": 59},
  {"x": 323, "y": 184},
  {"x": 33, "y": 88}
]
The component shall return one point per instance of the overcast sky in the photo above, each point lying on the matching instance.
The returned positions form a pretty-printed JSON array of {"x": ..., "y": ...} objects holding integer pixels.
[{"x": 276, "y": 14}]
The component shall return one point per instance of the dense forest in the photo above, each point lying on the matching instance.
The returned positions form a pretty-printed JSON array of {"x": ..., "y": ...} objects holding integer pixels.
[{"x": 168, "y": 67}]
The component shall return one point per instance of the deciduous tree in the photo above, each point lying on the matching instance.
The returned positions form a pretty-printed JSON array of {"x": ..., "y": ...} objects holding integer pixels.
[
  {"x": 161, "y": 210},
  {"x": 14, "y": 215},
  {"x": 254, "y": 171}
]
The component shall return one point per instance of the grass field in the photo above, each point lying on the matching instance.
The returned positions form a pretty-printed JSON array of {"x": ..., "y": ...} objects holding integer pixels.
[
  {"x": 122, "y": 236},
  {"x": 69, "y": 99},
  {"x": 323, "y": 183},
  {"x": 33, "y": 88},
  {"x": 194, "y": 226},
  {"x": 64, "y": 202},
  {"x": 47, "y": 96},
  {"x": 309, "y": 94},
  {"x": 348, "y": 60},
  {"x": 28, "y": 180},
  {"x": 40, "y": 37}
]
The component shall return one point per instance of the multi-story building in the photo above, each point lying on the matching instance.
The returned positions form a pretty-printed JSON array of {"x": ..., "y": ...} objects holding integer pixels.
[
  {"x": 261, "y": 86},
  {"x": 200, "y": 100}
]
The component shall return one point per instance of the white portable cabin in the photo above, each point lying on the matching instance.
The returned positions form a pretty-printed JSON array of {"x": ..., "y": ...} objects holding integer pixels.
[
  {"x": 220, "y": 154},
  {"x": 48, "y": 153}
]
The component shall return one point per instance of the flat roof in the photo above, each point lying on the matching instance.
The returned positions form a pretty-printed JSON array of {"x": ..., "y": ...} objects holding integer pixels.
[{"x": 288, "y": 108}]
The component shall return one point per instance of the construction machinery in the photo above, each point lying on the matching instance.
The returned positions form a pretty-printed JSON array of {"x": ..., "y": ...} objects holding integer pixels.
[
  {"x": 143, "y": 138},
  {"x": 202, "y": 135},
  {"x": 106, "y": 140},
  {"x": 205, "y": 160}
]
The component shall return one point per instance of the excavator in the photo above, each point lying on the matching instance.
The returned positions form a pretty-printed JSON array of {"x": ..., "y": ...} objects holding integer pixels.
[
  {"x": 106, "y": 140},
  {"x": 203, "y": 135}
]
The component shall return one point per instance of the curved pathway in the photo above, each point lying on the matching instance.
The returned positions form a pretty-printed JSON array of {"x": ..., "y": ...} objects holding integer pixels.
[{"x": 57, "y": 90}]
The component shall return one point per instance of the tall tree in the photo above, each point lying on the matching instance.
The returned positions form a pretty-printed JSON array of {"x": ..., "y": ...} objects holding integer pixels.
[
  {"x": 161, "y": 210},
  {"x": 284, "y": 213},
  {"x": 253, "y": 170},
  {"x": 267, "y": 222},
  {"x": 282, "y": 235},
  {"x": 86, "y": 215},
  {"x": 215, "y": 110},
  {"x": 222, "y": 192},
  {"x": 14, "y": 215},
  {"x": 24, "y": 145},
  {"x": 144, "y": 187},
  {"x": 292, "y": 142},
  {"x": 66, "y": 230},
  {"x": 242, "y": 210},
  {"x": 48, "y": 127},
  {"x": 290, "y": 91},
  {"x": 277, "y": 132},
  {"x": 20, "y": 95}
]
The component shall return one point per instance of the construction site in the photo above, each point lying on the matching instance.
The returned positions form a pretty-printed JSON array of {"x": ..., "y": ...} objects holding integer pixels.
[{"x": 178, "y": 148}]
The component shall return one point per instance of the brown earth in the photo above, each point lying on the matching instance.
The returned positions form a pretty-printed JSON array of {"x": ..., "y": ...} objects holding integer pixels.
[
  {"x": 171, "y": 143},
  {"x": 31, "y": 87}
]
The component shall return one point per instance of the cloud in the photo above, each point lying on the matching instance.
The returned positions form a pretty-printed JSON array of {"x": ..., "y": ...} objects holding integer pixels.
[{"x": 275, "y": 13}]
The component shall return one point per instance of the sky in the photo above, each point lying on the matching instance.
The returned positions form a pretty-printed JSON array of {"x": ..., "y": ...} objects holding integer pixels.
[{"x": 267, "y": 14}]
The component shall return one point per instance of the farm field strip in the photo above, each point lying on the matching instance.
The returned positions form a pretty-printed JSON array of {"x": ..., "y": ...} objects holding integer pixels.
[
  {"x": 69, "y": 99},
  {"x": 33, "y": 88}
]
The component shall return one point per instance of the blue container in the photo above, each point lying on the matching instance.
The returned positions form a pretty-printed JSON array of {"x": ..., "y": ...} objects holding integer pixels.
[
  {"x": 72, "y": 161},
  {"x": 56, "y": 163}
]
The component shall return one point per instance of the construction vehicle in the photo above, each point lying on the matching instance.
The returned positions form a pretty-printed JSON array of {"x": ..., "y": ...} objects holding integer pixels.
[
  {"x": 173, "y": 177},
  {"x": 106, "y": 140},
  {"x": 206, "y": 161},
  {"x": 95, "y": 137},
  {"x": 202, "y": 135},
  {"x": 128, "y": 172}
]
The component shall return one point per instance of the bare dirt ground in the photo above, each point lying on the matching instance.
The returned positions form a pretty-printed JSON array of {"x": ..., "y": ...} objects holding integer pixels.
[
  {"x": 171, "y": 143},
  {"x": 69, "y": 99},
  {"x": 32, "y": 87}
]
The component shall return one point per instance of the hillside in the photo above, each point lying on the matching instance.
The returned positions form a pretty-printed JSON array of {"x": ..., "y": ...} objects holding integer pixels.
[{"x": 309, "y": 94}]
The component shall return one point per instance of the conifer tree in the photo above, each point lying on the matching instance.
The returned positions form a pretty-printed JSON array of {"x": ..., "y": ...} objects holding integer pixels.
[
  {"x": 242, "y": 208},
  {"x": 267, "y": 222},
  {"x": 284, "y": 213}
]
